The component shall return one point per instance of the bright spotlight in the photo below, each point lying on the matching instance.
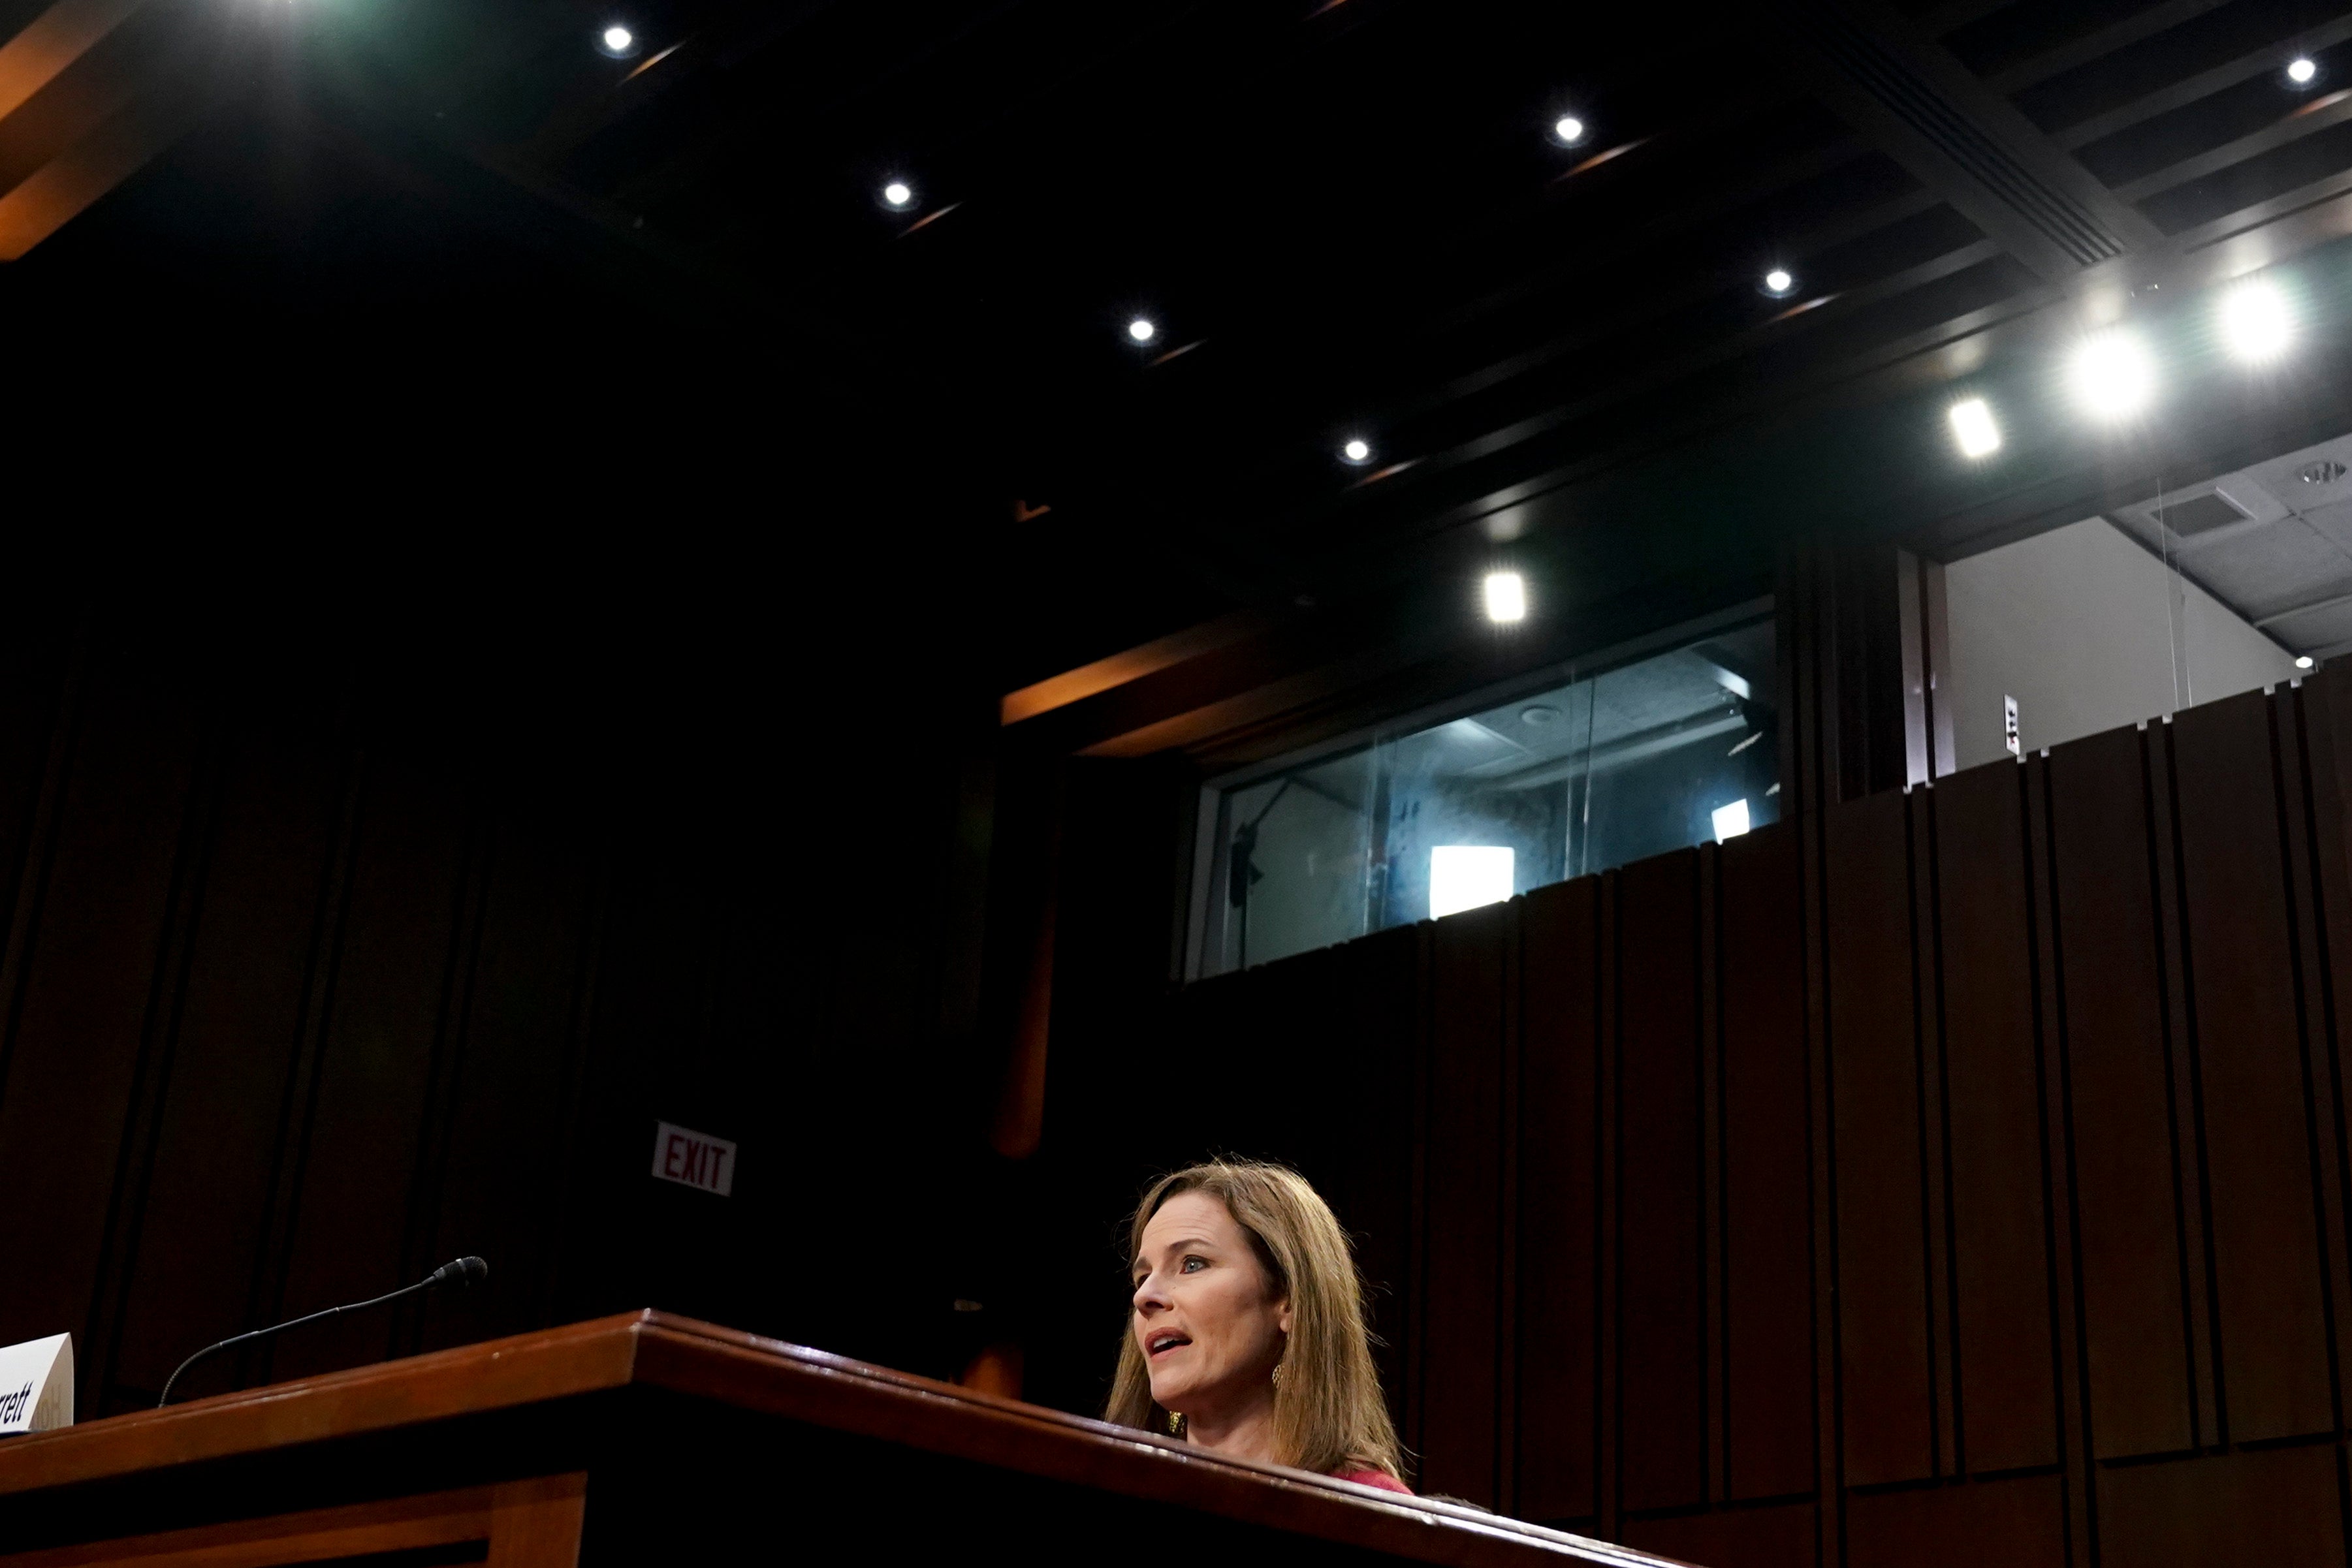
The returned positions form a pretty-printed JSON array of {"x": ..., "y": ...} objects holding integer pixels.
[
  {"x": 617, "y": 41},
  {"x": 2112, "y": 375},
  {"x": 1142, "y": 330},
  {"x": 1779, "y": 281},
  {"x": 1567, "y": 131},
  {"x": 1973, "y": 428},
  {"x": 1357, "y": 450},
  {"x": 1507, "y": 597},
  {"x": 897, "y": 193},
  {"x": 2255, "y": 322},
  {"x": 1731, "y": 820},
  {"x": 2303, "y": 661},
  {"x": 2301, "y": 69}
]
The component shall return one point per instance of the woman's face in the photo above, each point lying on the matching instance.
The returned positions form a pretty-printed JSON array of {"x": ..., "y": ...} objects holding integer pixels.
[{"x": 1206, "y": 1317}]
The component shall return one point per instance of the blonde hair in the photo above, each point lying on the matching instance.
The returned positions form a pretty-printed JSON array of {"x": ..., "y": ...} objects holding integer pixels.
[{"x": 1327, "y": 1411}]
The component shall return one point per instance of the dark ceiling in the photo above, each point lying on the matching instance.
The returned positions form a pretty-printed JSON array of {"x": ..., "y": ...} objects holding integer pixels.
[{"x": 1344, "y": 218}]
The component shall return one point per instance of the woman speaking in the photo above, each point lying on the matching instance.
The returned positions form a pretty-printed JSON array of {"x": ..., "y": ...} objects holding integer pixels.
[{"x": 1248, "y": 1334}]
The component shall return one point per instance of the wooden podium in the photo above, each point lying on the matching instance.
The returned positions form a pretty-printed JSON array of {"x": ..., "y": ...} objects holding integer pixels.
[{"x": 646, "y": 1439}]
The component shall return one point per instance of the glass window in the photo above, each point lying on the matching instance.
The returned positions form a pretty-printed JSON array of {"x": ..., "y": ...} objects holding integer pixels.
[{"x": 1584, "y": 769}]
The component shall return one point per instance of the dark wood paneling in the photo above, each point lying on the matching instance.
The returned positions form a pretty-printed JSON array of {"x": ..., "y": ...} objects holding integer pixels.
[
  {"x": 1378, "y": 983},
  {"x": 1558, "y": 1189},
  {"x": 254, "y": 964},
  {"x": 2007, "y": 1416},
  {"x": 82, "y": 1001},
  {"x": 1461, "y": 1233},
  {"x": 2250, "y": 1060},
  {"x": 1661, "y": 1225},
  {"x": 1881, "y": 1241},
  {"x": 514, "y": 1096},
  {"x": 1766, "y": 1221},
  {"x": 2125, "y": 1129},
  {"x": 2018, "y": 1523},
  {"x": 2279, "y": 1509},
  {"x": 1744, "y": 1538},
  {"x": 393, "y": 962}
]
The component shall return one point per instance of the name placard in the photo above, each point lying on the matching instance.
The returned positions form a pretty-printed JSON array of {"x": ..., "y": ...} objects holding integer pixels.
[
  {"x": 36, "y": 1384},
  {"x": 694, "y": 1159}
]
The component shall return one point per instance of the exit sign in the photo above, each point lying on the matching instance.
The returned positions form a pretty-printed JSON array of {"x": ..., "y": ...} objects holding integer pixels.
[{"x": 693, "y": 1159}]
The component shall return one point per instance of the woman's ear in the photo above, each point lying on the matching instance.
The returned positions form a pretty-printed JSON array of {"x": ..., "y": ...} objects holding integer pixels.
[{"x": 1282, "y": 1316}]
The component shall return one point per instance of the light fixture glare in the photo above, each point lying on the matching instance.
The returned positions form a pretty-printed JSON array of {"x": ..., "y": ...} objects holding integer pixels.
[
  {"x": 2301, "y": 69},
  {"x": 897, "y": 193},
  {"x": 1973, "y": 428},
  {"x": 2303, "y": 661},
  {"x": 1780, "y": 280},
  {"x": 1567, "y": 131},
  {"x": 1142, "y": 330},
  {"x": 2112, "y": 374},
  {"x": 1507, "y": 597},
  {"x": 1731, "y": 820},
  {"x": 1466, "y": 877},
  {"x": 617, "y": 41},
  {"x": 1357, "y": 450},
  {"x": 2256, "y": 321}
]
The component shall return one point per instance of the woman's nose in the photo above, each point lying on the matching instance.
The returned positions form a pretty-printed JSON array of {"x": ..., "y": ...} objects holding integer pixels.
[{"x": 1148, "y": 1295}]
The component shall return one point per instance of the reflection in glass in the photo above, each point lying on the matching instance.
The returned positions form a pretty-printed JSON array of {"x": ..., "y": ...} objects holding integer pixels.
[{"x": 1590, "y": 771}]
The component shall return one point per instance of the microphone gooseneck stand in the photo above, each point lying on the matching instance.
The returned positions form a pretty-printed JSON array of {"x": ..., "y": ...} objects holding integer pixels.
[{"x": 462, "y": 1272}]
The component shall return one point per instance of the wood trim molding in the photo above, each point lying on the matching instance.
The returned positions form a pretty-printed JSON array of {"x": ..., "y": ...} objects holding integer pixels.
[{"x": 524, "y": 1524}]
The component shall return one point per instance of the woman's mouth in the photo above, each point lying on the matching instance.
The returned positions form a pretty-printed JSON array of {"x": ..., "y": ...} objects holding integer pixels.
[{"x": 1164, "y": 1340}]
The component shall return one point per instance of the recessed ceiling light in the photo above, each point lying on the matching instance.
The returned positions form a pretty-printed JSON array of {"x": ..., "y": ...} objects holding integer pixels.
[
  {"x": 2303, "y": 661},
  {"x": 2301, "y": 69},
  {"x": 1973, "y": 428},
  {"x": 1779, "y": 281},
  {"x": 1507, "y": 597},
  {"x": 1356, "y": 449},
  {"x": 618, "y": 41},
  {"x": 900, "y": 195},
  {"x": 1567, "y": 131},
  {"x": 2112, "y": 374},
  {"x": 2255, "y": 322},
  {"x": 1142, "y": 330}
]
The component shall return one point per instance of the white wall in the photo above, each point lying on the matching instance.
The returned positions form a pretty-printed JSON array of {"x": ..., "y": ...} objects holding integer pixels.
[{"x": 2074, "y": 624}]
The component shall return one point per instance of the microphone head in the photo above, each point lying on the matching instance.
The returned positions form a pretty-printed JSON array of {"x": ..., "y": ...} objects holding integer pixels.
[{"x": 464, "y": 1271}]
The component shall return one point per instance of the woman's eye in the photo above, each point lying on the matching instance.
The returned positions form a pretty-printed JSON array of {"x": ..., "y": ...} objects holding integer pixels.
[{"x": 1192, "y": 1263}]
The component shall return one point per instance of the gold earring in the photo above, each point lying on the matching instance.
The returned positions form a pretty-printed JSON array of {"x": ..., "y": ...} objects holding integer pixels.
[
  {"x": 1277, "y": 1374},
  {"x": 1174, "y": 1421}
]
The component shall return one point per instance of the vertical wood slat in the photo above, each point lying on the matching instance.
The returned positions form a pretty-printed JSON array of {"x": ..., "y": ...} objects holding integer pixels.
[
  {"x": 1558, "y": 1180},
  {"x": 2060, "y": 1192},
  {"x": 2130, "y": 1155},
  {"x": 2319, "y": 721},
  {"x": 2006, "y": 1411},
  {"x": 1769, "y": 1355},
  {"x": 203, "y": 1226},
  {"x": 1883, "y": 1313},
  {"x": 72, "y": 1043},
  {"x": 2307, "y": 904},
  {"x": 2248, "y": 1055},
  {"x": 1661, "y": 1296},
  {"x": 1462, "y": 1243}
]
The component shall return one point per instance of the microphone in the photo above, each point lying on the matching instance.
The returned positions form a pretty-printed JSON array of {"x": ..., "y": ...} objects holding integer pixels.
[{"x": 462, "y": 1272}]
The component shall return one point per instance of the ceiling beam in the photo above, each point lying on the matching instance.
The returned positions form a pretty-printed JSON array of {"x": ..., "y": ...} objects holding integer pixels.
[
  {"x": 1959, "y": 137},
  {"x": 90, "y": 90}
]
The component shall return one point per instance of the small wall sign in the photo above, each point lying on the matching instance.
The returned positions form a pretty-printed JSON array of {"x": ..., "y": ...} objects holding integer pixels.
[
  {"x": 36, "y": 1384},
  {"x": 693, "y": 1159}
]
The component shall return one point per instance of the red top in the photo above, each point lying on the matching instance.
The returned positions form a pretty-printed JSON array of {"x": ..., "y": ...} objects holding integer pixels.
[{"x": 1379, "y": 1479}]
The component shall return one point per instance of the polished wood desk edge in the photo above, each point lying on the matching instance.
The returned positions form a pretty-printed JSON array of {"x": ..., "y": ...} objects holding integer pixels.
[
  {"x": 789, "y": 1380},
  {"x": 526, "y": 1369},
  {"x": 774, "y": 1377}
]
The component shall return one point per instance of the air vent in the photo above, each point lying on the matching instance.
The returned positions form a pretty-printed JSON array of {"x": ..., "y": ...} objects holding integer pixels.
[
  {"x": 2066, "y": 222},
  {"x": 2326, "y": 471},
  {"x": 2198, "y": 515}
]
